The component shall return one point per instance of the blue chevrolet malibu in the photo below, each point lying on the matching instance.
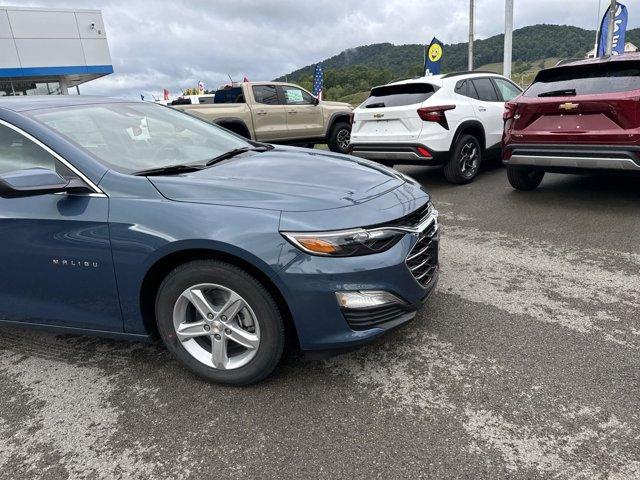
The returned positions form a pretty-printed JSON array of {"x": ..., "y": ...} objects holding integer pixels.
[{"x": 131, "y": 219}]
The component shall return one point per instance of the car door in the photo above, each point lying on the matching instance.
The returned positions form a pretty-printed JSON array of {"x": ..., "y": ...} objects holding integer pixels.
[
  {"x": 269, "y": 115},
  {"x": 55, "y": 254},
  {"x": 304, "y": 113},
  {"x": 488, "y": 108}
]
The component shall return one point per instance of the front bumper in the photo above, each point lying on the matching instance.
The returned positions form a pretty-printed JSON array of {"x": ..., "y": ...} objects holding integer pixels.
[
  {"x": 312, "y": 282},
  {"x": 398, "y": 153}
]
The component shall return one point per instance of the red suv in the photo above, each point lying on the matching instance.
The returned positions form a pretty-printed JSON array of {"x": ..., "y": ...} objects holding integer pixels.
[{"x": 574, "y": 118}]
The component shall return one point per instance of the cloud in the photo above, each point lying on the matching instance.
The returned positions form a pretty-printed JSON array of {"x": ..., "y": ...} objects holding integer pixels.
[{"x": 174, "y": 44}]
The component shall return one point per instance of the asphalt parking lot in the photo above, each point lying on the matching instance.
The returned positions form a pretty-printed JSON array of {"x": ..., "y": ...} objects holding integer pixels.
[{"x": 524, "y": 364}]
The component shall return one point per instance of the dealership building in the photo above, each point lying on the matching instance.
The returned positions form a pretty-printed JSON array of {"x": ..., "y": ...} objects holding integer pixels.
[{"x": 50, "y": 51}]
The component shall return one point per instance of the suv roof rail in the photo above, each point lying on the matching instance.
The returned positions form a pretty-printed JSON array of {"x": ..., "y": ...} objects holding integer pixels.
[{"x": 468, "y": 72}]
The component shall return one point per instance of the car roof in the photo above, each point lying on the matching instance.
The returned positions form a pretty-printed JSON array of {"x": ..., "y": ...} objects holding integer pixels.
[
  {"x": 439, "y": 80},
  {"x": 625, "y": 57},
  {"x": 41, "y": 102},
  {"x": 250, "y": 84}
]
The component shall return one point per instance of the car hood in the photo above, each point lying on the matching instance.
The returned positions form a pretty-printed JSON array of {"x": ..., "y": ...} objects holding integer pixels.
[
  {"x": 285, "y": 178},
  {"x": 337, "y": 104}
]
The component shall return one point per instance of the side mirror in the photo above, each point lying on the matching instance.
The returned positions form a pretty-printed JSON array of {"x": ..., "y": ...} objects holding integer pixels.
[
  {"x": 33, "y": 181},
  {"x": 316, "y": 101}
]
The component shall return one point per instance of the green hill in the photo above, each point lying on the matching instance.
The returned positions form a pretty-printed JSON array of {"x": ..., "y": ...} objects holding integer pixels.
[{"x": 358, "y": 69}]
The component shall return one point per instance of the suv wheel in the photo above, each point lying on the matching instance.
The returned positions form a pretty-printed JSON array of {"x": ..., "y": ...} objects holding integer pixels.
[
  {"x": 524, "y": 178},
  {"x": 465, "y": 160},
  {"x": 338, "y": 140},
  {"x": 220, "y": 322}
]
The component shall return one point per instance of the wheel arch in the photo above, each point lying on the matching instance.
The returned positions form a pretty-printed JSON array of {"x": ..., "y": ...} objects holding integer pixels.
[
  {"x": 235, "y": 125},
  {"x": 472, "y": 127},
  {"x": 162, "y": 266},
  {"x": 335, "y": 118}
]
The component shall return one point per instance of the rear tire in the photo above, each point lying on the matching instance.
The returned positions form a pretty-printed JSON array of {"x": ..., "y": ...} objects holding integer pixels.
[
  {"x": 524, "y": 178},
  {"x": 465, "y": 160},
  {"x": 218, "y": 287},
  {"x": 338, "y": 140}
]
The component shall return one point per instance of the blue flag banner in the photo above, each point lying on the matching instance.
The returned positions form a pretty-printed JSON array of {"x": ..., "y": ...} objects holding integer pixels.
[
  {"x": 318, "y": 82},
  {"x": 619, "y": 33},
  {"x": 433, "y": 57}
]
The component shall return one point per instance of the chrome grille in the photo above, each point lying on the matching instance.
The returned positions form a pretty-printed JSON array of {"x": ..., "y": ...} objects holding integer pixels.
[{"x": 422, "y": 260}]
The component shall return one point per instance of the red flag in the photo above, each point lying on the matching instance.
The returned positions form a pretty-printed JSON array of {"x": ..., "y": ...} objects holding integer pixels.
[
  {"x": 165, "y": 93},
  {"x": 245, "y": 79}
]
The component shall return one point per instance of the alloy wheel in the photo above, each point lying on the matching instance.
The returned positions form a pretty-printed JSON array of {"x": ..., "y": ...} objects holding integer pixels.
[
  {"x": 469, "y": 159},
  {"x": 343, "y": 138},
  {"x": 216, "y": 326}
]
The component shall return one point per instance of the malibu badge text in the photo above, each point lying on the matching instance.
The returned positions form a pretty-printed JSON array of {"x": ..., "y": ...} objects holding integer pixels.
[{"x": 74, "y": 263}]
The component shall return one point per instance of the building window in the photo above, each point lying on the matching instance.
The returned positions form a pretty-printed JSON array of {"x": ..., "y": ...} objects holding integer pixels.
[{"x": 27, "y": 87}]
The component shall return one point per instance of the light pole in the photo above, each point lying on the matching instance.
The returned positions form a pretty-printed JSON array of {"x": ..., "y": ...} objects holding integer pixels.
[
  {"x": 612, "y": 26},
  {"x": 471, "y": 33},
  {"x": 508, "y": 38}
]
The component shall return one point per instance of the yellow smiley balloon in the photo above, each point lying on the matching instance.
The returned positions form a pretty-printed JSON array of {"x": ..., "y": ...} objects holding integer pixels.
[{"x": 435, "y": 52}]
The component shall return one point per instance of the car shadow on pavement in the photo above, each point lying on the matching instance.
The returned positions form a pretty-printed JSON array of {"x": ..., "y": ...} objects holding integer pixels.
[
  {"x": 608, "y": 186},
  {"x": 432, "y": 177}
]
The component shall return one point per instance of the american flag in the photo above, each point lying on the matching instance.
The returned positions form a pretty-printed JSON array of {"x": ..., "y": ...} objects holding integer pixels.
[{"x": 318, "y": 81}]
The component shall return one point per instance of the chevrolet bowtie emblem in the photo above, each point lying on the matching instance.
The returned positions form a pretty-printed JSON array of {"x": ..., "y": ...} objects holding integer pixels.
[
  {"x": 378, "y": 115},
  {"x": 568, "y": 106}
]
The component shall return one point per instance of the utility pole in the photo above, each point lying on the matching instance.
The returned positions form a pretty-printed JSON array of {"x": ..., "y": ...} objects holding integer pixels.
[
  {"x": 471, "y": 32},
  {"x": 597, "y": 42},
  {"x": 508, "y": 38},
  {"x": 612, "y": 26}
]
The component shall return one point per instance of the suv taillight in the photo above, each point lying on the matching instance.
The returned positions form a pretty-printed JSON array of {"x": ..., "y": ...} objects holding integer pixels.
[
  {"x": 509, "y": 111},
  {"x": 435, "y": 114}
]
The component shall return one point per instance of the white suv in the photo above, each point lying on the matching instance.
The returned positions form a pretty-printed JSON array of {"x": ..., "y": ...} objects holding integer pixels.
[{"x": 453, "y": 120}]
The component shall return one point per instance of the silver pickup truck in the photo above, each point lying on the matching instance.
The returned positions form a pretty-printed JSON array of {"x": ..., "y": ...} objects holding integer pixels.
[{"x": 277, "y": 112}]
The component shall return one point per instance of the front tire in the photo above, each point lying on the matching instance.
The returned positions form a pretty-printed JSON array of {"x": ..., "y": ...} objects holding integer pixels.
[
  {"x": 465, "y": 160},
  {"x": 524, "y": 178},
  {"x": 220, "y": 322},
  {"x": 338, "y": 140}
]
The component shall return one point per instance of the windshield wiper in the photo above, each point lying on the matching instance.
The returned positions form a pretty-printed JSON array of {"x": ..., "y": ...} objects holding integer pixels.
[
  {"x": 376, "y": 105},
  {"x": 237, "y": 151},
  {"x": 168, "y": 170},
  {"x": 567, "y": 92}
]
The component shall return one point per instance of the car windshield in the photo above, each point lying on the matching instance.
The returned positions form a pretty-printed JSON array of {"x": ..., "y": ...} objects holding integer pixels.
[
  {"x": 612, "y": 77},
  {"x": 399, "y": 95},
  {"x": 130, "y": 137}
]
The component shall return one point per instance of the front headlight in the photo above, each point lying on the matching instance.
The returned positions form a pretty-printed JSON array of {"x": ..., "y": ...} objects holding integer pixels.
[{"x": 345, "y": 243}]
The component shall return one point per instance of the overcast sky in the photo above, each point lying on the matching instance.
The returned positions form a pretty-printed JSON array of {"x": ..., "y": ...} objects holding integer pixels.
[{"x": 173, "y": 44}]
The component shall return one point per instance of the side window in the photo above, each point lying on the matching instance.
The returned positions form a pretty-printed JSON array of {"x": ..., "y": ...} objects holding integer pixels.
[
  {"x": 485, "y": 90},
  {"x": 266, "y": 94},
  {"x": 507, "y": 90},
  {"x": 18, "y": 153},
  {"x": 297, "y": 96},
  {"x": 461, "y": 88},
  {"x": 466, "y": 88}
]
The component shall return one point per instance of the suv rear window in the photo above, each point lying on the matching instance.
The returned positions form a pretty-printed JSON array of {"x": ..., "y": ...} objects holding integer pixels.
[
  {"x": 399, "y": 95},
  {"x": 617, "y": 76},
  {"x": 229, "y": 95}
]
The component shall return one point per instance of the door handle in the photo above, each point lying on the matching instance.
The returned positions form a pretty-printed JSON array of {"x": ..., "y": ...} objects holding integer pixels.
[
  {"x": 292, "y": 112},
  {"x": 262, "y": 114}
]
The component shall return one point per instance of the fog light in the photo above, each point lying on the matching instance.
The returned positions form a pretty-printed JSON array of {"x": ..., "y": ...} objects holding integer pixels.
[{"x": 366, "y": 299}]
